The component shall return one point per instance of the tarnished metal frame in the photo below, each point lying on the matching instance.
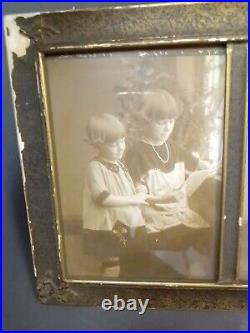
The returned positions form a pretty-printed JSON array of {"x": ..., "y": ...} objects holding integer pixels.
[{"x": 124, "y": 28}]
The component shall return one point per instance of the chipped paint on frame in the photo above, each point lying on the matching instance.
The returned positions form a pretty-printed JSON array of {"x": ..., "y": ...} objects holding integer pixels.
[{"x": 42, "y": 33}]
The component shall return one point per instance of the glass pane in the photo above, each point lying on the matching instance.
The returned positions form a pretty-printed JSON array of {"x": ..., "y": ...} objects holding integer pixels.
[{"x": 138, "y": 139}]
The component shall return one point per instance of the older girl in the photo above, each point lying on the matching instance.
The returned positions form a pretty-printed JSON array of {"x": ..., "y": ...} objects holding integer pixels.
[{"x": 159, "y": 167}]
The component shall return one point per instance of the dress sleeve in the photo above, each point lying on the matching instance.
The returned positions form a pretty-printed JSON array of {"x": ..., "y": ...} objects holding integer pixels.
[{"x": 96, "y": 182}]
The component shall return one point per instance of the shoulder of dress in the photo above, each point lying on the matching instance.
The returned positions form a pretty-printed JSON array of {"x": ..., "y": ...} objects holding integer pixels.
[
  {"x": 94, "y": 165},
  {"x": 94, "y": 162}
]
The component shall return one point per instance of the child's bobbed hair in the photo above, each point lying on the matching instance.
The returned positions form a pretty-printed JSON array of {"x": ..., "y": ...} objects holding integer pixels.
[{"x": 104, "y": 128}]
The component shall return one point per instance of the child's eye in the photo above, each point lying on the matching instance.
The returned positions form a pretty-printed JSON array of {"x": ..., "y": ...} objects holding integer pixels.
[
  {"x": 117, "y": 143},
  {"x": 162, "y": 123},
  {"x": 166, "y": 122}
]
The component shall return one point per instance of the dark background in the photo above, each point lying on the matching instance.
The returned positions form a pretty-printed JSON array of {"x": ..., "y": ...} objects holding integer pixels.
[{"x": 21, "y": 309}]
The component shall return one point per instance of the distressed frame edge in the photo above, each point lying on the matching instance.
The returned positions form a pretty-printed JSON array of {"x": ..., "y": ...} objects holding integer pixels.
[
  {"x": 188, "y": 285},
  {"x": 10, "y": 20},
  {"x": 24, "y": 186}
]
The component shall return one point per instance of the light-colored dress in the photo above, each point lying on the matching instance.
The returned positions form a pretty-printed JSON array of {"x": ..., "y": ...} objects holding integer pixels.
[
  {"x": 160, "y": 176},
  {"x": 177, "y": 235},
  {"x": 101, "y": 179}
]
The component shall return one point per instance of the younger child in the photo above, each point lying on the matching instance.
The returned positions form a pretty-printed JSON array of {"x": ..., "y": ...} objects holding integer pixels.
[{"x": 112, "y": 218}]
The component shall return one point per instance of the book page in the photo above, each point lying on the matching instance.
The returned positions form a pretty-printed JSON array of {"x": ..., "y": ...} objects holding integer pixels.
[{"x": 197, "y": 178}]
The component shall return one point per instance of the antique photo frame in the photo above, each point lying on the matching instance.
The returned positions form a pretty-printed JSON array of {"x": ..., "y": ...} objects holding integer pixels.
[{"x": 30, "y": 39}]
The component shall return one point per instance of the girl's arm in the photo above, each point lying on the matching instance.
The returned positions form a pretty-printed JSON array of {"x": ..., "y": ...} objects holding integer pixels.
[
  {"x": 203, "y": 165},
  {"x": 163, "y": 198},
  {"x": 140, "y": 188},
  {"x": 100, "y": 193},
  {"x": 117, "y": 201}
]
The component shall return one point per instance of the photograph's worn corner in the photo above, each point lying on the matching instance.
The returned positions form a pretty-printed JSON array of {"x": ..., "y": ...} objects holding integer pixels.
[{"x": 133, "y": 148}]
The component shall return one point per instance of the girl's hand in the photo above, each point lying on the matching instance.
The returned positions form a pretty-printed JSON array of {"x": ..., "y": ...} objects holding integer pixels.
[
  {"x": 140, "y": 199},
  {"x": 161, "y": 199},
  {"x": 154, "y": 199},
  {"x": 178, "y": 194},
  {"x": 168, "y": 197},
  {"x": 204, "y": 165}
]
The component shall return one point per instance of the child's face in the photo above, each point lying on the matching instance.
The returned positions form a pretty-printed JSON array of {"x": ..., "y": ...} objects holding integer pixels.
[
  {"x": 160, "y": 130},
  {"x": 113, "y": 150}
]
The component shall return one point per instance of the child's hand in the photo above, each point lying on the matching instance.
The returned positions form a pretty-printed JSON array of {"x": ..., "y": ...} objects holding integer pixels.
[
  {"x": 212, "y": 168},
  {"x": 140, "y": 199},
  {"x": 204, "y": 165},
  {"x": 153, "y": 199},
  {"x": 167, "y": 197},
  {"x": 161, "y": 199},
  {"x": 178, "y": 194}
]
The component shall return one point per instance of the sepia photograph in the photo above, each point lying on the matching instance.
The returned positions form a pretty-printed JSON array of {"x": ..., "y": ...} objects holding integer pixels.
[
  {"x": 131, "y": 132},
  {"x": 126, "y": 185},
  {"x": 138, "y": 149}
]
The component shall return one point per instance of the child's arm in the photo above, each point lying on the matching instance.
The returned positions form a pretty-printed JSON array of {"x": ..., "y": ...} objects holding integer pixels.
[
  {"x": 161, "y": 197},
  {"x": 116, "y": 201},
  {"x": 166, "y": 197},
  {"x": 205, "y": 165},
  {"x": 100, "y": 193},
  {"x": 141, "y": 188}
]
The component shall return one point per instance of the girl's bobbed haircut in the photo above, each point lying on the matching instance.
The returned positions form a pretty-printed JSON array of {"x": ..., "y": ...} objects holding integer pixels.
[
  {"x": 158, "y": 105},
  {"x": 104, "y": 128}
]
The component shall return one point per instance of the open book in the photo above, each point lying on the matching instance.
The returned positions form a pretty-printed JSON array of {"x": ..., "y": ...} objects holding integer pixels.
[{"x": 197, "y": 178}]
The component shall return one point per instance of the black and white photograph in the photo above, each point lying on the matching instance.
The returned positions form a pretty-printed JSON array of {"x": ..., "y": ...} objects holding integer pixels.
[{"x": 138, "y": 151}]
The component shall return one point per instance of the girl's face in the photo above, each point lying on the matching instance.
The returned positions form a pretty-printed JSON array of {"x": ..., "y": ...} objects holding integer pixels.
[
  {"x": 160, "y": 130},
  {"x": 113, "y": 150}
]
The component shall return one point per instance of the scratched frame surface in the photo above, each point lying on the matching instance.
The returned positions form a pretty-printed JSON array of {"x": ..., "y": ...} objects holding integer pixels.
[{"x": 124, "y": 28}]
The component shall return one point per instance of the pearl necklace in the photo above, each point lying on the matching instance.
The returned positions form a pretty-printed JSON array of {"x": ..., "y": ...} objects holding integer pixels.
[{"x": 158, "y": 155}]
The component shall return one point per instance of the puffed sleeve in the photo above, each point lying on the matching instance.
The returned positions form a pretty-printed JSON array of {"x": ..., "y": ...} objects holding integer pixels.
[{"x": 96, "y": 182}]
